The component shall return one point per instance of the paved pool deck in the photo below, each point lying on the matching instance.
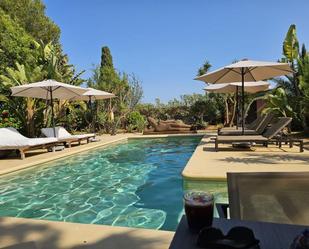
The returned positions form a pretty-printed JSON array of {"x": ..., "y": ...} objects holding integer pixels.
[
  {"x": 20, "y": 233},
  {"x": 207, "y": 164}
]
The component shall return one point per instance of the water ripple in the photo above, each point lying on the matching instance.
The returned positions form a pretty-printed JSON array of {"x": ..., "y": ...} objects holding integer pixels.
[{"x": 136, "y": 184}]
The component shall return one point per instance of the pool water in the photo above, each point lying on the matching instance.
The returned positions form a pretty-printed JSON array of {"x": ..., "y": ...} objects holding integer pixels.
[{"x": 136, "y": 183}]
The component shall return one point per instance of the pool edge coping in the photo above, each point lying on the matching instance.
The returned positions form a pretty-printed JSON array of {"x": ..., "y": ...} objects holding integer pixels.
[
  {"x": 57, "y": 157},
  {"x": 193, "y": 177},
  {"x": 81, "y": 149},
  {"x": 88, "y": 234}
]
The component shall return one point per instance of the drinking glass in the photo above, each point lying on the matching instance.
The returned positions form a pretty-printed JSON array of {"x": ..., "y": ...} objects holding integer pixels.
[{"x": 199, "y": 208}]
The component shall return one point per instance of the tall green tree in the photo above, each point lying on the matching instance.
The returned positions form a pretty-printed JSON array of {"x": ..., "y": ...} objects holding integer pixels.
[
  {"x": 291, "y": 55},
  {"x": 16, "y": 45},
  {"x": 295, "y": 85},
  {"x": 30, "y": 15},
  {"x": 107, "y": 78},
  {"x": 106, "y": 58},
  {"x": 304, "y": 86},
  {"x": 30, "y": 51}
]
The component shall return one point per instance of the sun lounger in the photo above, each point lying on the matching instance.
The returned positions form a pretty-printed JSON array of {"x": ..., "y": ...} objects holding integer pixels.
[
  {"x": 280, "y": 197},
  {"x": 261, "y": 139},
  {"x": 257, "y": 122},
  {"x": 65, "y": 137},
  {"x": 11, "y": 139},
  {"x": 252, "y": 126},
  {"x": 256, "y": 128}
]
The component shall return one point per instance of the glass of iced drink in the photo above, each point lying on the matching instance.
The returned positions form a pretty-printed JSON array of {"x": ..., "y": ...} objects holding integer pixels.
[{"x": 199, "y": 208}]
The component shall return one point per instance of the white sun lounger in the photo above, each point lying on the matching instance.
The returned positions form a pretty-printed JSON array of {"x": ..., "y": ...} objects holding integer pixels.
[
  {"x": 65, "y": 137},
  {"x": 11, "y": 139}
]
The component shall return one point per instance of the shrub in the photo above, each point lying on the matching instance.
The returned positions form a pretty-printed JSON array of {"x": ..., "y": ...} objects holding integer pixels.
[
  {"x": 201, "y": 125},
  {"x": 135, "y": 121},
  {"x": 7, "y": 121}
]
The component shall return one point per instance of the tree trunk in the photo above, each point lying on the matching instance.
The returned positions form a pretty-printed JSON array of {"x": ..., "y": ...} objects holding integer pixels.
[
  {"x": 295, "y": 80},
  {"x": 305, "y": 124},
  {"x": 226, "y": 112},
  {"x": 30, "y": 118},
  {"x": 298, "y": 94},
  {"x": 233, "y": 114}
]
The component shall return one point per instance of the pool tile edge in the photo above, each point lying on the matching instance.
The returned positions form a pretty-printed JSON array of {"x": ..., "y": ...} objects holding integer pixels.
[{"x": 56, "y": 156}]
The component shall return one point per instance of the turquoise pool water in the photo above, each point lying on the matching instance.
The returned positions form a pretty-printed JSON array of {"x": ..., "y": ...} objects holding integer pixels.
[{"x": 136, "y": 183}]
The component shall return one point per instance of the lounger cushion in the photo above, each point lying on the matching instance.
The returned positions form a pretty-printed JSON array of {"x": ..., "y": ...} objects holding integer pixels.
[
  {"x": 62, "y": 133},
  {"x": 41, "y": 140},
  {"x": 10, "y": 138},
  {"x": 238, "y": 132},
  {"x": 83, "y": 136},
  {"x": 255, "y": 138},
  {"x": 233, "y": 128}
]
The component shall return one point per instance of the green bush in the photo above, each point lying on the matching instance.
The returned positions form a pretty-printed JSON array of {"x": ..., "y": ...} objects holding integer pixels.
[
  {"x": 111, "y": 126},
  {"x": 7, "y": 121},
  {"x": 201, "y": 125},
  {"x": 135, "y": 121}
]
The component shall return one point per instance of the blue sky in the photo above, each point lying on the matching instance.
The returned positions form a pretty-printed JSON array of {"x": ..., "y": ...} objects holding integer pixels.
[{"x": 165, "y": 41}]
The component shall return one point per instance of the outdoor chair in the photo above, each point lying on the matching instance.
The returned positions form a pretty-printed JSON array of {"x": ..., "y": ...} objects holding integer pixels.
[
  {"x": 268, "y": 136},
  {"x": 252, "y": 126},
  {"x": 256, "y": 123},
  {"x": 65, "y": 137},
  {"x": 11, "y": 139},
  {"x": 256, "y": 128},
  {"x": 280, "y": 197}
]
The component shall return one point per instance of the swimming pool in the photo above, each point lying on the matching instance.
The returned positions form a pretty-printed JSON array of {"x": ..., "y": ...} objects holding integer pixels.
[{"x": 136, "y": 183}]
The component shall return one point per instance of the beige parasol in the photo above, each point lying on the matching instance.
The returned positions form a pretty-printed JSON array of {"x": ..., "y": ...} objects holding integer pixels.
[
  {"x": 50, "y": 90},
  {"x": 243, "y": 71}
]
